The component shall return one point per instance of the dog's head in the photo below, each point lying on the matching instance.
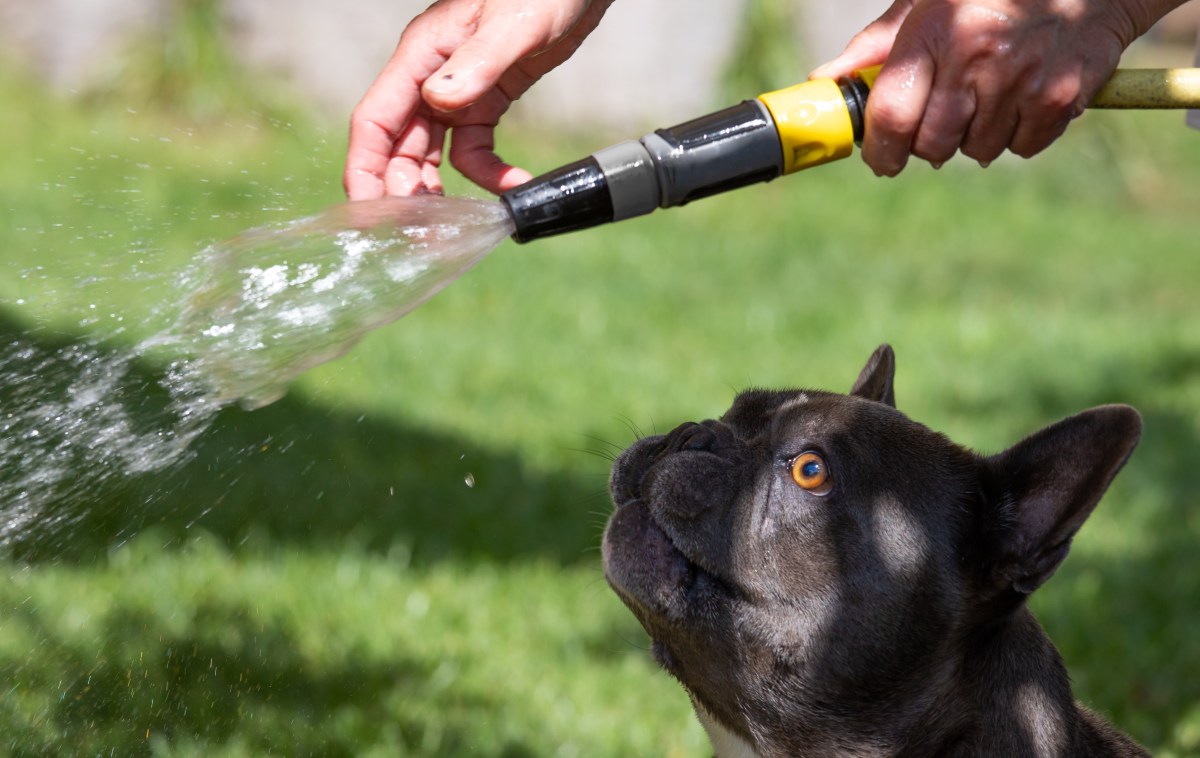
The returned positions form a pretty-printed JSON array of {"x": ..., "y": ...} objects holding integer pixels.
[{"x": 805, "y": 564}]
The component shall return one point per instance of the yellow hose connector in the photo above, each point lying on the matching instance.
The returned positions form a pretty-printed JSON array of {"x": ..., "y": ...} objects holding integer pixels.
[{"x": 813, "y": 123}]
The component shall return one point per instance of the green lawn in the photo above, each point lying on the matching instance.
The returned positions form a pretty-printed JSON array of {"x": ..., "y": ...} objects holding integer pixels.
[{"x": 319, "y": 578}]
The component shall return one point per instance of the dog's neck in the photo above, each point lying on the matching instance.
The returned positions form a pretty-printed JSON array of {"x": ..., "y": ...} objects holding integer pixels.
[
  {"x": 1008, "y": 694},
  {"x": 725, "y": 744},
  {"x": 1035, "y": 716},
  {"x": 1032, "y": 712}
]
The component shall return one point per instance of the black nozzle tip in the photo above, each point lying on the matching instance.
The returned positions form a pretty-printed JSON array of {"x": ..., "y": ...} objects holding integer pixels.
[{"x": 575, "y": 196}]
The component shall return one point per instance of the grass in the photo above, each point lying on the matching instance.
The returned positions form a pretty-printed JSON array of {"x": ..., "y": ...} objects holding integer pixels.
[
  {"x": 322, "y": 653},
  {"x": 320, "y": 579}
]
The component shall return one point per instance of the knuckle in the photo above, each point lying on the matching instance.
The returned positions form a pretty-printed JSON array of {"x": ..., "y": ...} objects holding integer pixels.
[
  {"x": 1060, "y": 98},
  {"x": 890, "y": 118},
  {"x": 935, "y": 145},
  {"x": 1056, "y": 101}
]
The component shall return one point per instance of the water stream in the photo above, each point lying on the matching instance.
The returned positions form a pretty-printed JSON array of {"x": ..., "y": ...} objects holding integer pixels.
[{"x": 249, "y": 316}]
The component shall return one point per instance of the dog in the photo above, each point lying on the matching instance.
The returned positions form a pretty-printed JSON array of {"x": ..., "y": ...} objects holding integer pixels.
[{"x": 827, "y": 577}]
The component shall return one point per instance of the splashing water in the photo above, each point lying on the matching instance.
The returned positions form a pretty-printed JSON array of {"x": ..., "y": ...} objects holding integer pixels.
[
  {"x": 75, "y": 419},
  {"x": 256, "y": 312},
  {"x": 277, "y": 301}
]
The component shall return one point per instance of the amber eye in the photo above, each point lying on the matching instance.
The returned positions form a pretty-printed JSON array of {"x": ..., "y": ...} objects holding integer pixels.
[{"x": 810, "y": 472}]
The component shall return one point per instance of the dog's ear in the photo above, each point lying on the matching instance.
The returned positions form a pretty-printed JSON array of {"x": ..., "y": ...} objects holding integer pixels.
[
  {"x": 875, "y": 380},
  {"x": 1046, "y": 486}
]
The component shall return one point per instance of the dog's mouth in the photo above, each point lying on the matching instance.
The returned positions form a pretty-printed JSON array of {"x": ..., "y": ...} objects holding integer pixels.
[
  {"x": 684, "y": 601},
  {"x": 646, "y": 569},
  {"x": 642, "y": 561}
]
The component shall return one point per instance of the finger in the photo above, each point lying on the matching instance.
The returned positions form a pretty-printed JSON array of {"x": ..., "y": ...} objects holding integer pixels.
[
  {"x": 945, "y": 122},
  {"x": 383, "y": 113},
  {"x": 430, "y": 177},
  {"x": 867, "y": 48},
  {"x": 1029, "y": 140},
  {"x": 894, "y": 112},
  {"x": 366, "y": 160},
  {"x": 477, "y": 65},
  {"x": 1046, "y": 113},
  {"x": 472, "y": 152},
  {"x": 376, "y": 125},
  {"x": 1033, "y": 135},
  {"x": 409, "y": 153},
  {"x": 992, "y": 127}
]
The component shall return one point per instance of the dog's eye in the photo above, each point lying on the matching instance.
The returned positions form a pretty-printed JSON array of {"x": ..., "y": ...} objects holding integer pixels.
[{"x": 810, "y": 472}]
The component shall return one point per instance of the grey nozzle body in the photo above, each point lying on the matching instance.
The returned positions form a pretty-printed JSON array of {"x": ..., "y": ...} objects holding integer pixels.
[
  {"x": 712, "y": 154},
  {"x": 716, "y": 153},
  {"x": 632, "y": 180}
]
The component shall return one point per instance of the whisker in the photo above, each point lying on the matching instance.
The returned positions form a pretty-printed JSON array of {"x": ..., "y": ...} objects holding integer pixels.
[
  {"x": 632, "y": 427},
  {"x": 607, "y": 455}
]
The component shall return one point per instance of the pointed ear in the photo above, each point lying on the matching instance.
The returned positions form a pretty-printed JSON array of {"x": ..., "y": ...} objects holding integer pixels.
[
  {"x": 1046, "y": 486},
  {"x": 875, "y": 380}
]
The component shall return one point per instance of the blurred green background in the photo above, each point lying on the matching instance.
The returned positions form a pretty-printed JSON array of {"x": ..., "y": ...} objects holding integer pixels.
[{"x": 322, "y": 578}]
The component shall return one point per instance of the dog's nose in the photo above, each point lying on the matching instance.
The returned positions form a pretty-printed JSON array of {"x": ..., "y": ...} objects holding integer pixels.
[{"x": 691, "y": 436}]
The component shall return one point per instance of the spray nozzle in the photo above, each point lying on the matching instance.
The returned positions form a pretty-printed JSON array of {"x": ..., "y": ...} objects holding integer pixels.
[{"x": 754, "y": 141}]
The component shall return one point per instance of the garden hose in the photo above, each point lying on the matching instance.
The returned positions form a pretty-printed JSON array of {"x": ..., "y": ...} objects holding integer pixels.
[{"x": 777, "y": 133}]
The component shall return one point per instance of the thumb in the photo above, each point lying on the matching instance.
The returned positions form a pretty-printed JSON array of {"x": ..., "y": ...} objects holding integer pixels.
[
  {"x": 477, "y": 65},
  {"x": 869, "y": 47}
]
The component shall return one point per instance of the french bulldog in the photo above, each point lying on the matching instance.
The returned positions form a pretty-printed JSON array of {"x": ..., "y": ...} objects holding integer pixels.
[{"x": 827, "y": 577}]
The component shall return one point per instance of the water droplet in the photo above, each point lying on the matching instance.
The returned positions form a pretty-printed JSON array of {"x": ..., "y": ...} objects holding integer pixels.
[{"x": 469, "y": 480}]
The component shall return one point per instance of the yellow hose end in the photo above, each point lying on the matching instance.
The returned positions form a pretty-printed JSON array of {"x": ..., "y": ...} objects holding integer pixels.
[
  {"x": 1150, "y": 88},
  {"x": 868, "y": 74},
  {"x": 813, "y": 123}
]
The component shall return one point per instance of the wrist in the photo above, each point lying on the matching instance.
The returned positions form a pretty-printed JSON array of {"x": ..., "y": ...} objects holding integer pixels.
[{"x": 1137, "y": 16}]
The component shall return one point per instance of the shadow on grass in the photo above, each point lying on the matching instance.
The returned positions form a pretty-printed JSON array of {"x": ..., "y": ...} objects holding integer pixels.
[
  {"x": 298, "y": 473},
  {"x": 137, "y": 692}
]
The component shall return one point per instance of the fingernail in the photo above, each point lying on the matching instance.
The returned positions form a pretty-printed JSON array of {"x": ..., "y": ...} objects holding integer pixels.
[
  {"x": 984, "y": 164},
  {"x": 936, "y": 165}
]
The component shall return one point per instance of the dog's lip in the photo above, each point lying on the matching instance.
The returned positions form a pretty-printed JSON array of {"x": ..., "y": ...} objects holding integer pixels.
[
  {"x": 697, "y": 569},
  {"x": 628, "y": 487}
]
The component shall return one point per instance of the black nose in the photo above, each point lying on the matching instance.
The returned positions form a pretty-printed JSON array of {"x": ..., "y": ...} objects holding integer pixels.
[{"x": 691, "y": 436}]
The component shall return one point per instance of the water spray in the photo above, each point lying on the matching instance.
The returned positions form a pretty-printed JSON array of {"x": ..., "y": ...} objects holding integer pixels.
[{"x": 777, "y": 133}]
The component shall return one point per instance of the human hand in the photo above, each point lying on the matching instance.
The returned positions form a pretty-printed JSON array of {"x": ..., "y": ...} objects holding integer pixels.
[
  {"x": 983, "y": 76},
  {"x": 457, "y": 69}
]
